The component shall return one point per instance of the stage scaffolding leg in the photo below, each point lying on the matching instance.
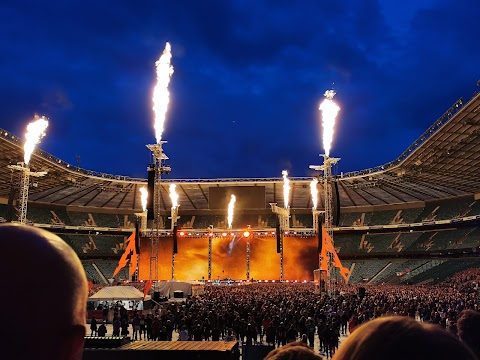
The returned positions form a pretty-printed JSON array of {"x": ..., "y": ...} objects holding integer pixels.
[
  {"x": 25, "y": 179},
  {"x": 248, "y": 259},
  {"x": 209, "y": 258},
  {"x": 281, "y": 259}
]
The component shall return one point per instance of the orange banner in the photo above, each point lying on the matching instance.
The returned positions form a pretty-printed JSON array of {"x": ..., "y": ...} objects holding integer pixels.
[
  {"x": 327, "y": 245},
  {"x": 129, "y": 251}
]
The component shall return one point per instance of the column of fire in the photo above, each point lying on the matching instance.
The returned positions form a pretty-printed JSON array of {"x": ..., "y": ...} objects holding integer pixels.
[
  {"x": 161, "y": 98},
  {"x": 329, "y": 113}
]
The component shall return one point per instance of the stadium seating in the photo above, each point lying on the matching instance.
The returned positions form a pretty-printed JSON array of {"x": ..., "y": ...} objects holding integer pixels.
[
  {"x": 405, "y": 240},
  {"x": 92, "y": 273},
  {"x": 301, "y": 221},
  {"x": 444, "y": 270},
  {"x": 364, "y": 271},
  {"x": 347, "y": 243},
  {"x": 453, "y": 209},
  {"x": 396, "y": 270},
  {"x": 408, "y": 216},
  {"x": 473, "y": 209},
  {"x": 96, "y": 244},
  {"x": 3, "y": 211},
  {"x": 350, "y": 219},
  {"x": 79, "y": 218},
  {"x": 380, "y": 242},
  {"x": 108, "y": 220},
  {"x": 107, "y": 268},
  {"x": 382, "y": 217},
  {"x": 428, "y": 213},
  {"x": 472, "y": 238}
]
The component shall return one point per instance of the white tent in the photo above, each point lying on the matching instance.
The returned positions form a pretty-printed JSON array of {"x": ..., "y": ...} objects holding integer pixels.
[
  {"x": 115, "y": 293},
  {"x": 189, "y": 288}
]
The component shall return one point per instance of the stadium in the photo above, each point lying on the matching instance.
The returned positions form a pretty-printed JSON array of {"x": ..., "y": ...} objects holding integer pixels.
[{"x": 413, "y": 221}]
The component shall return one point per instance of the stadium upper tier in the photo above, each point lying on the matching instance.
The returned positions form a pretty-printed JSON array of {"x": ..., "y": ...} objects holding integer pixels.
[{"x": 443, "y": 163}]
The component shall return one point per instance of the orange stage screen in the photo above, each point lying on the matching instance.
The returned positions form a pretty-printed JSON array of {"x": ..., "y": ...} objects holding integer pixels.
[
  {"x": 264, "y": 260},
  {"x": 191, "y": 261},
  {"x": 300, "y": 258},
  {"x": 165, "y": 247},
  {"x": 229, "y": 259}
]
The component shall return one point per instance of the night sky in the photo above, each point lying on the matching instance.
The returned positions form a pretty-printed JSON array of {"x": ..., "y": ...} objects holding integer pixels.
[{"x": 249, "y": 77}]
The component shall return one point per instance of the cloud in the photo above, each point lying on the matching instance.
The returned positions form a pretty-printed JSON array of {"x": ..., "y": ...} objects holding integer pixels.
[{"x": 248, "y": 79}]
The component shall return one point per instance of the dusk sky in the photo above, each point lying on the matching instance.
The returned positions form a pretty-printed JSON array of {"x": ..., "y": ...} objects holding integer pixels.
[{"x": 248, "y": 78}]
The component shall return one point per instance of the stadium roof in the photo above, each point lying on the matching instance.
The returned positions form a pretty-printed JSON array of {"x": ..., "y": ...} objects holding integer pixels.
[{"x": 443, "y": 163}]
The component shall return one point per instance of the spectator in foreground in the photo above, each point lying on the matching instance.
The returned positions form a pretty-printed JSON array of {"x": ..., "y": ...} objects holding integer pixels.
[
  {"x": 102, "y": 329},
  {"x": 45, "y": 268},
  {"x": 400, "y": 338},
  {"x": 296, "y": 350},
  {"x": 468, "y": 327}
]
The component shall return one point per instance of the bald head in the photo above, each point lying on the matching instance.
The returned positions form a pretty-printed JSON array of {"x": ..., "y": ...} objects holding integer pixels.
[{"x": 47, "y": 286}]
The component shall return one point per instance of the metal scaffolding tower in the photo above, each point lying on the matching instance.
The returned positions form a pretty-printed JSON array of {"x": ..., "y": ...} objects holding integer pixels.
[
  {"x": 24, "y": 186},
  {"x": 248, "y": 258},
  {"x": 284, "y": 219},
  {"x": 159, "y": 159},
  {"x": 174, "y": 216},
  {"x": 327, "y": 180},
  {"x": 210, "y": 258}
]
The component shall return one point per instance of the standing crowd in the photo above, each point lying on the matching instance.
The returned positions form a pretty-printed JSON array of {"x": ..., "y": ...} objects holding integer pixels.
[{"x": 278, "y": 314}]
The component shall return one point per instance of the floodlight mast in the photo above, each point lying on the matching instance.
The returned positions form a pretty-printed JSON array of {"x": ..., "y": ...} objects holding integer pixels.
[
  {"x": 24, "y": 185},
  {"x": 327, "y": 180}
]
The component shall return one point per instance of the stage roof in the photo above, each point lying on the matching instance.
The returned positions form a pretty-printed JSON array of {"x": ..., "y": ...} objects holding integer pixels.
[{"x": 443, "y": 163}]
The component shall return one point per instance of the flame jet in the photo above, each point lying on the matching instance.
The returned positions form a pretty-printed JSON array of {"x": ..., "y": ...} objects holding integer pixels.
[
  {"x": 173, "y": 196},
  {"x": 314, "y": 192},
  {"x": 329, "y": 113},
  {"x": 161, "y": 95},
  {"x": 231, "y": 206},
  {"x": 286, "y": 188},
  {"x": 35, "y": 132},
  {"x": 144, "y": 197}
]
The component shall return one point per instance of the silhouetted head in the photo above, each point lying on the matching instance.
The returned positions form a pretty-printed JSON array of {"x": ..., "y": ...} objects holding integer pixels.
[
  {"x": 49, "y": 289},
  {"x": 468, "y": 328},
  {"x": 401, "y": 338},
  {"x": 296, "y": 350}
]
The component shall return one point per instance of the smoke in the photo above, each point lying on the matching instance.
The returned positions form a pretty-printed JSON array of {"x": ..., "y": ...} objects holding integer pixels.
[{"x": 232, "y": 244}]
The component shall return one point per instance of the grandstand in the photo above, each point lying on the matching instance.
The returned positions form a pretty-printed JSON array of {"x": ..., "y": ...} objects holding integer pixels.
[{"x": 423, "y": 207}]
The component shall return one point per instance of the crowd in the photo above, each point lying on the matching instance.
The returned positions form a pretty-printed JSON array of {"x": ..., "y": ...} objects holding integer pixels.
[
  {"x": 278, "y": 314},
  {"x": 409, "y": 322}
]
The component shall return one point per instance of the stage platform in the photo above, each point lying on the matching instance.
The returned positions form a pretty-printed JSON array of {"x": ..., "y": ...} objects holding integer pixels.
[{"x": 201, "y": 350}]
